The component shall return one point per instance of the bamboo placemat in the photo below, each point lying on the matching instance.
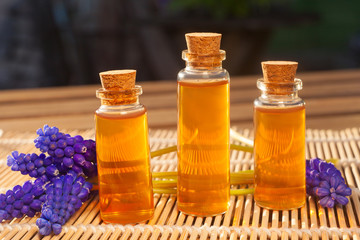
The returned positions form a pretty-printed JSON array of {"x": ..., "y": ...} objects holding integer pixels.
[{"x": 244, "y": 220}]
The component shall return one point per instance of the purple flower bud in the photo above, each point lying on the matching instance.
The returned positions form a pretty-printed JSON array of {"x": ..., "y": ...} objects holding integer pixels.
[
  {"x": 10, "y": 199},
  {"x": 44, "y": 148},
  {"x": 18, "y": 204},
  {"x": 15, "y": 167},
  {"x": 27, "y": 186},
  {"x": 30, "y": 166},
  {"x": 41, "y": 171},
  {"x": 28, "y": 198},
  {"x": 77, "y": 169},
  {"x": 15, "y": 213},
  {"x": 70, "y": 141},
  {"x": 10, "y": 160},
  {"x": 58, "y": 183},
  {"x": 341, "y": 199},
  {"x": 9, "y": 208},
  {"x": 56, "y": 228},
  {"x": 60, "y": 135},
  {"x": 88, "y": 185},
  {"x": 54, "y": 218},
  {"x": 61, "y": 143},
  {"x": 80, "y": 180},
  {"x": 79, "y": 160},
  {"x": 69, "y": 151},
  {"x": 48, "y": 161},
  {"x": 90, "y": 156},
  {"x": 41, "y": 222},
  {"x": 18, "y": 194},
  {"x": 36, "y": 205},
  {"x": 68, "y": 162},
  {"x": 46, "y": 213},
  {"x": 31, "y": 213},
  {"x": 25, "y": 209},
  {"x": 22, "y": 167},
  {"x": 78, "y": 139},
  {"x": 84, "y": 194},
  {"x": 52, "y": 171},
  {"x": 52, "y": 145},
  {"x": 46, "y": 230},
  {"x": 51, "y": 153},
  {"x": 59, "y": 153},
  {"x": 80, "y": 148},
  {"x": 76, "y": 189}
]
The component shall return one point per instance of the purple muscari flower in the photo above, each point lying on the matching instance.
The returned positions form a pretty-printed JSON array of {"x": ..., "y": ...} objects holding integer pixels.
[
  {"x": 27, "y": 164},
  {"x": 332, "y": 192},
  {"x": 324, "y": 180},
  {"x": 61, "y": 147},
  {"x": 22, "y": 200},
  {"x": 64, "y": 195}
]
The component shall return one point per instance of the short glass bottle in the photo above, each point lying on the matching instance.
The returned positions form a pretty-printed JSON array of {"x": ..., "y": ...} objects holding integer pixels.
[
  {"x": 203, "y": 135},
  {"x": 123, "y": 157},
  {"x": 279, "y": 146}
]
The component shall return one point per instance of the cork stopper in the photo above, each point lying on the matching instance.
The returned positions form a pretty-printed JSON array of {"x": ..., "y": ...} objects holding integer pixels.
[
  {"x": 118, "y": 79},
  {"x": 118, "y": 87},
  {"x": 279, "y": 71},
  {"x": 279, "y": 77},
  {"x": 203, "y": 43}
]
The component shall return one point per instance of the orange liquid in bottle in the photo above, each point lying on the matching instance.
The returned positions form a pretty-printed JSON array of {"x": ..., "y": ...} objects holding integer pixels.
[
  {"x": 280, "y": 157},
  {"x": 203, "y": 147},
  {"x": 125, "y": 186}
]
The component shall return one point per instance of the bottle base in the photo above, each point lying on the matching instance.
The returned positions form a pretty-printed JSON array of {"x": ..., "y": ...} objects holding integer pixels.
[
  {"x": 202, "y": 210},
  {"x": 272, "y": 206},
  {"x": 129, "y": 217}
]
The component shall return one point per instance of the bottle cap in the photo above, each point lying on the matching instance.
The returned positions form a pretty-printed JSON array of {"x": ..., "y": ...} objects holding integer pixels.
[
  {"x": 279, "y": 71},
  {"x": 203, "y": 43},
  {"x": 118, "y": 79}
]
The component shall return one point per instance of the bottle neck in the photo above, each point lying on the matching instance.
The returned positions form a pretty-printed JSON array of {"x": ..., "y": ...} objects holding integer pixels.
[
  {"x": 211, "y": 62},
  {"x": 281, "y": 92},
  {"x": 119, "y": 98}
]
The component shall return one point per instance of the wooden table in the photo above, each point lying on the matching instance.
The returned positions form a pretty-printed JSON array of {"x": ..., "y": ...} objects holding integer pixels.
[{"x": 332, "y": 98}]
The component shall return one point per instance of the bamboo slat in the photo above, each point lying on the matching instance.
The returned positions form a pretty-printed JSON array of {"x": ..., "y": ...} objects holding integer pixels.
[{"x": 243, "y": 220}]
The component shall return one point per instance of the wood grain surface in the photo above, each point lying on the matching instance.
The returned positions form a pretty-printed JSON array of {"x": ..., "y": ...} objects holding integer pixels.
[{"x": 332, "y": 102}]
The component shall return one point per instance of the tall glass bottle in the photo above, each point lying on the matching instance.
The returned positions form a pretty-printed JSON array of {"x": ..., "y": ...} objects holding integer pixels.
[
  {"x": 279, "y": 145},
  {"x": 123, "y": 154},
  {"x": 203, "y": 128}
]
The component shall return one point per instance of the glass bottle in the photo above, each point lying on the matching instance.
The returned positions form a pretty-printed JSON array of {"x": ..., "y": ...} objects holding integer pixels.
[
  {"x": 279, "y": 143},
  {"x": 123, "y": 157},
  {"x": 203, "y": 135}
]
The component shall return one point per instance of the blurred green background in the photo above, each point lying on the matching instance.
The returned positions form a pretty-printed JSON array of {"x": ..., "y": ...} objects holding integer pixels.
[{"x": 68, "y": 42}]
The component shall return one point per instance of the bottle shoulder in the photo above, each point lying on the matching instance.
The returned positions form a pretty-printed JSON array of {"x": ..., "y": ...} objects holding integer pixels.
[
  {"x": 201, "y": 74},
  {"x": 121, "y": 110},
  {"x": 276, "y": 103}
]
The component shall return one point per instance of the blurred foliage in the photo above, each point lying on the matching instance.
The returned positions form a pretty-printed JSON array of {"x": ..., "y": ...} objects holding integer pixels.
[{"x": 220, "y": 9}]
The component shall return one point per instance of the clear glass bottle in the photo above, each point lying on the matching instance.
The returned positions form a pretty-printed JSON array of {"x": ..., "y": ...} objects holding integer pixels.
[
  {"x": 123, "y": 157},
  {"x": 203, "y": 135},
  {"x": 279, "y": 145}
]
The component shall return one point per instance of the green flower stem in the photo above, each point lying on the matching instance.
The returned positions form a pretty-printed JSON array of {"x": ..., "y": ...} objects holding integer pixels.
[
  {"x": 243, "y": 177},
  {"x": 245, "y": 191},
  {"x": 241, "y": 148},
  {"x": 164, "y": 190},
  {"x": 163, "y": 151},
  {"x": 167, "y": 175},
  {"x": 174, "y": 148},
  {"x": 164, "y": 183}
]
